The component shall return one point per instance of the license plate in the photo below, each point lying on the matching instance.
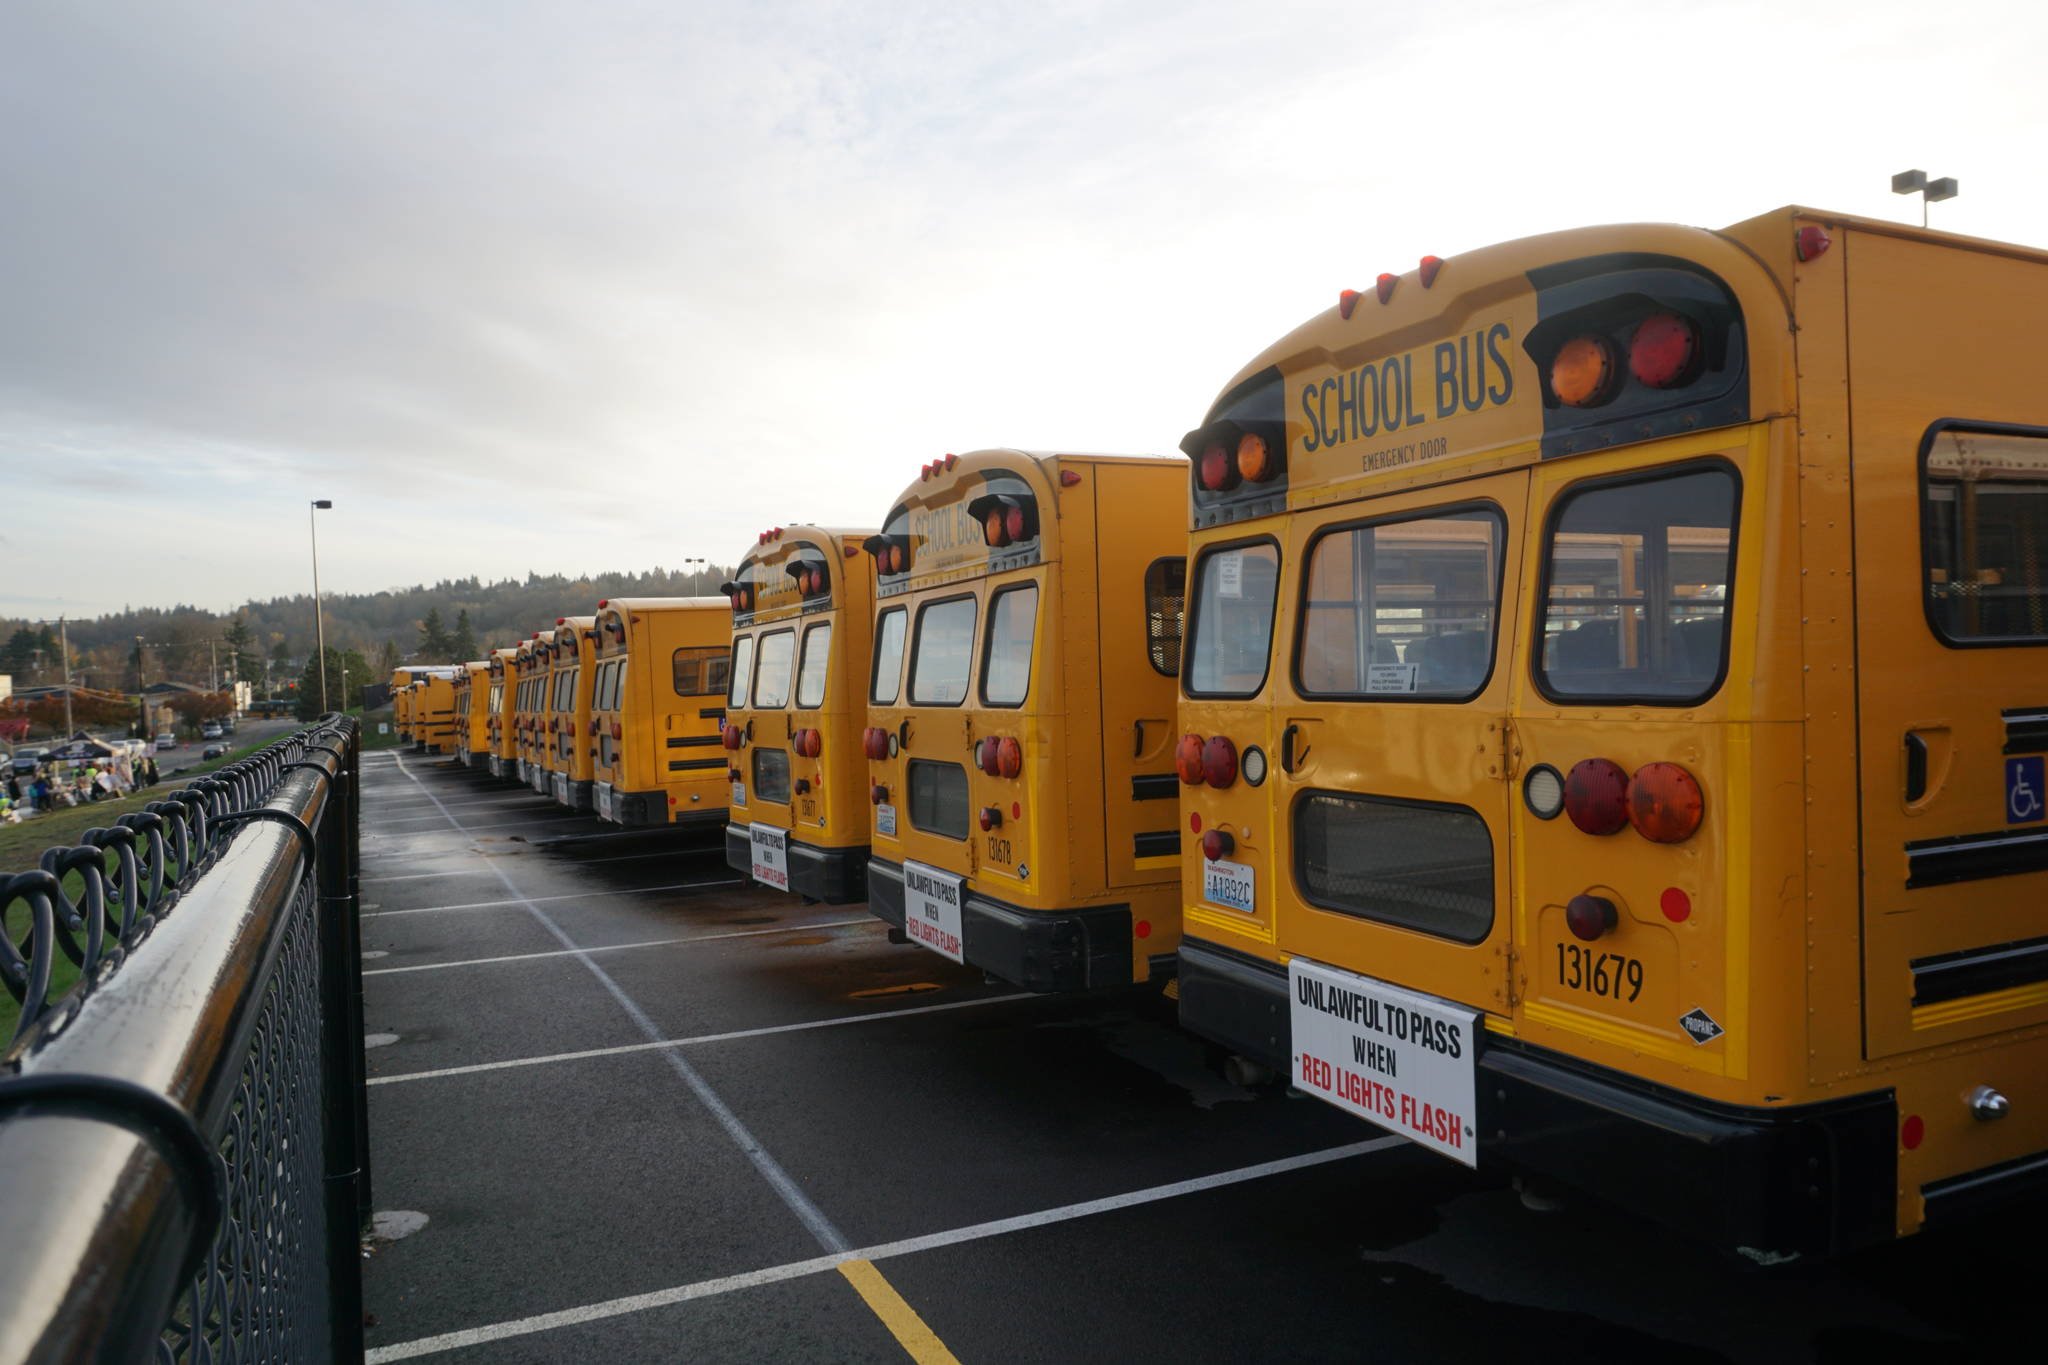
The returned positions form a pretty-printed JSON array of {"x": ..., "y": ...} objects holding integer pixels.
[
  {"x": 602, "y": 799},
  {"x": 1404, "y": 1061},
  {"x": 931, "y": 909},
  {"x": 771, "y": 855},
  {"x": 739, "y": 793},
  {"x": 885, "y": 820},
  {"x": 1228, "y": 885}
]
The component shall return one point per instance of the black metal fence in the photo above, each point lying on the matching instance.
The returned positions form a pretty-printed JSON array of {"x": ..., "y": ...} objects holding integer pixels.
[{"x": 184, "y": 1169}]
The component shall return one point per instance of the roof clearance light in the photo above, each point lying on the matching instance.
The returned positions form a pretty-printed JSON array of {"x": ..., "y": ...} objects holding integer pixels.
[
  {"x": 1582, "y": 373},
  {"x": 1187, "y": 760},
  {"x": 1385, "y": 284},
  {"x": 1255, "y": 458},
  {"x": 1664, "y": 803},
  {"x": 1811, "y": 242},
  {"x": 1430, "y": 265},
  {"x": 1347, "y": 303},
  {"x": 1595, "y": 795},
  {"x": 1218, "y": 471},
  {"x": 1665, "y": 351}
]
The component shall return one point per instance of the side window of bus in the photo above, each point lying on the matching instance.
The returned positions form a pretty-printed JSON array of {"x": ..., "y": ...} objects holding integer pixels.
[
  {"x": 1166, "y": 610},
  {"x": 742, "y": 670},
  {"x": 811, "y": 672},
  {"x": 1402, "y": 608},
  {"x": 700, "y": 671},
  {"x": 943, "y": 652},
  {"x": 888, "y": 680},
  {"x": 771, "y": 675},
  {"x": 1006, "y": 658},
  {"x": 1636, "y": 587},
  {"x": 1232, "y": 628},
  {"x": 1984, "y": 501}
]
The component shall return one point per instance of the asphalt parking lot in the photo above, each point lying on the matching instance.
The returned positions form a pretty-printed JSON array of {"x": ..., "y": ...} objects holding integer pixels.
[{"x": 651, "y": 1113}]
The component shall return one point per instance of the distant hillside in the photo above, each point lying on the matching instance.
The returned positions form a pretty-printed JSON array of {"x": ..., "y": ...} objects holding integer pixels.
[{"x": 282, "y": 628}]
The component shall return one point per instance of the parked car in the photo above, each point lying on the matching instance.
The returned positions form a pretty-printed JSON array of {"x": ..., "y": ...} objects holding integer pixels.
[
  {"x": 209, "y": 731},
  {"x": 164, "y": 742},
  {"x": 214, "y": 751},
  {"x": 25, "y": 759}
]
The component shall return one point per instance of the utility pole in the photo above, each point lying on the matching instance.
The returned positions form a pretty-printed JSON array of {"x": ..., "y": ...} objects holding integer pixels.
[
  {"x": 320, "y": 626},
  {"x": 64, "y": 644}
]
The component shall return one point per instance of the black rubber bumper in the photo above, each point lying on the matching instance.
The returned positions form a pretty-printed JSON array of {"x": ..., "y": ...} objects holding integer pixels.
[
  {"x": 642, "y": 808},
  {"x": 836, "y": 876},
  {"x": 1040, "y": 950},
  {"x": 1817, "y": 1178}
]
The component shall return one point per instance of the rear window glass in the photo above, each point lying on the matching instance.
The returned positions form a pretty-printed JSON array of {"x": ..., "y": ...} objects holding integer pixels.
[
  {"x": 1985, "y": 505},
  {"x": 700, "y": 671},
  {"x": 1233, "y": 621},
  {"x": 938, "y": 798},
  {"x": 1166, "y": 609},
  {"x": 565, "y": 689},
  {"x": 771, "y": 675},
  {"x": 1006, "y": 668},
  {"x": 810, "y": 678},
  {"x": 888, "y": 657},
  {"x": 742, "y": 669},
  {"x": 1636, "y": 580},
  {"x": 943, "y": 653},
  {"x": 1403, "y": 608},
  {"x": 1418, "y": 865},
  {"x": 771, "y": 775}
]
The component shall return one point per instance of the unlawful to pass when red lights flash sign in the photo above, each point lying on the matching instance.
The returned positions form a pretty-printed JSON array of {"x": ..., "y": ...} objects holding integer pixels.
[{"x": 1403, "y": 1061}]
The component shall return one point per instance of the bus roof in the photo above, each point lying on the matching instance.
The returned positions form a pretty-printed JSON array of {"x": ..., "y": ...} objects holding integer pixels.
[{"x": 631, "y": 604}]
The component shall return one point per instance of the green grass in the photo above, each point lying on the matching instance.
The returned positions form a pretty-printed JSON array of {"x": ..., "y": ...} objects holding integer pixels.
[{"x": 371, "y": 720}]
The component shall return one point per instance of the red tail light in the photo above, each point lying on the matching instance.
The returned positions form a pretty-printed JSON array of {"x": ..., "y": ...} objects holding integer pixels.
[
  {"x": 1596, "y": 795},
  {"x": 985, "y": 757},
  {"x": 1665, "y": 351},
  {"x": 1664, "y": 803},
  {"x": 878, "y": 794},
  {"x": 1219, "y": 762},
  {"x": 1009, "y": 758},
  {"x": 1588, "y": 917},
  {"x": 1013, "y": 523},
  {"x": 1217, "y": 843},
  {"x": 731, "y": 738},
  {"x": 732, "y": 774},
  {"x": 1187, "y": 760},
  {"x": 618, "y": 731},
  {"x": 1218, "y": 470},
  {"x": 991, "y": 818}
]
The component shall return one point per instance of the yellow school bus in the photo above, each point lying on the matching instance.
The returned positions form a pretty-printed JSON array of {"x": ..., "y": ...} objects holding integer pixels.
[
  {"x": 657, "y": 702},
  {"x": 802, "y": 609},
  {"x": 401, "y": 703},
  {"x": 1020, "y": 715},
  {"x": 530, "y": 665},
  {"x": 472, "y": 713},
  {"x": 570, "y": 738},
  {"x": 502, "y": 751},
  {"x": 1614, "y": 720},
  {"x": 431, "y": 708}
]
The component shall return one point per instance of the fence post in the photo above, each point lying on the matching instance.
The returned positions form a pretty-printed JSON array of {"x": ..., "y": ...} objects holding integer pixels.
[{"x": 343, "y": 1069}]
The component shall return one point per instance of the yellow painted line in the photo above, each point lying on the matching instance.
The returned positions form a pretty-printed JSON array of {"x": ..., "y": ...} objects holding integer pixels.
[{"x": 899, "y": 1317}]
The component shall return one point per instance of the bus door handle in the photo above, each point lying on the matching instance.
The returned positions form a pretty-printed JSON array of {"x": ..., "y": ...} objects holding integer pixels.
[
  {"x": 1138, "y": 739},
  {"x": 1916, "y": 767},
  {"x": 903, "y": 734},
  {"x": 1288, "y": 757}
]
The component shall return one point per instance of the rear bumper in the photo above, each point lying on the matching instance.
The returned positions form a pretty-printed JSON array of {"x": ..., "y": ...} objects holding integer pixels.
[
  {"x": 1816, "y": 1178},
  {"x": 1040, "y": 950},
  {"x": 836, "y": 876},
  {"x": 629, "y": 808},
  {"x": 499, "y": 766}
]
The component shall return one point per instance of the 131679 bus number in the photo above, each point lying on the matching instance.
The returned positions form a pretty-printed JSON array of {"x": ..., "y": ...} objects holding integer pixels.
[{"x": 1582, "y": 969}]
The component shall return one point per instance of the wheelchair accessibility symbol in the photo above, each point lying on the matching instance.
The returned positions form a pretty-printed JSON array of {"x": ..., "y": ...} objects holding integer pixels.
[{"x": 2024, "y": 790}]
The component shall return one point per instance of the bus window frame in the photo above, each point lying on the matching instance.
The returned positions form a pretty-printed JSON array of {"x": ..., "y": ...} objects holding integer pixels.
[
  {"x": 1494, "y": 839},
  {"x": 902, "y": 647},
  {"x": 916, "y": 634},
  {"x": 1541, "y": 601},
  {"x": 803, "y": 654},
  {"x": 760, "y": 657},
  {"x": 703, "y": 654},
  {"x": 988, "y": 640},
  {"x": 1301, "y": 618},
  {"x": 1190, "y": 628},
  {"x": 735, "y": 699},
  {"x": 1927, "y": 440}
]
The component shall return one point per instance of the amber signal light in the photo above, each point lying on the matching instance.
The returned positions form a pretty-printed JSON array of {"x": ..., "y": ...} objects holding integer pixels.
[
  {"x": 1187, "y": 760},
  {"x": 1664, "y": 803},
  {"x": 1582, "y": 373}
]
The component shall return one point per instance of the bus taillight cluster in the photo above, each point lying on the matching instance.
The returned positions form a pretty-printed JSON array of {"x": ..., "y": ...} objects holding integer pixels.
[
  {"x": 1222, "y": 468},
  {"x": 999, "y": 757},
  {"x": 1665, "y": 351},
  {"x": 1662, "y": 801},
  {"x": 1212, "y": 761}
]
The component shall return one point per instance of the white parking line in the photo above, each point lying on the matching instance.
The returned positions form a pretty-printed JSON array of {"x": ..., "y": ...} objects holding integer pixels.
[
  {"x": 579, "y": 862},
  {"x": 770, "y": 1170},
  {"x": 697, "y": 1041},
  {"x": 662, "y": 1298},
  {"x": 478, "y": 829},
  {"x": 621, "y": 947},
  {"x": 571, "y": 896}
]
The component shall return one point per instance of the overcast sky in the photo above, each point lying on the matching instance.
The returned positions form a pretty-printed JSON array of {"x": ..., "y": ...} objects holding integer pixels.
[{"x": 603, "y": 284}]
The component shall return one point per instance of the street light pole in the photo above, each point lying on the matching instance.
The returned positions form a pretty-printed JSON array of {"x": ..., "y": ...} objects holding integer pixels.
[
  {"x": 64, "y": 645},
  {"x": 320, "y": 626}
]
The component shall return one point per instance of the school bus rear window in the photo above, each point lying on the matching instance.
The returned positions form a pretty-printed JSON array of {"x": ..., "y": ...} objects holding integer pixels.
[
  {"x": 771, "y": 774},
  {"x": 888, "y": 658},
  {"x": 1637, "y": 575},
  {"x": 942, "y": 653},
  {"x": 1985, "y": 499},
  {"x": 1415, "y": 864},
  {"x": 742, "y": 670},
  {"x": 811, "y": 673},
  {"x": 771, "y": 675},
  {"x": 1006, "y": 667},
  {"x": 1402, "y": 608},
  {"x": 1233, "y": 622},
  {"x": 701, "y": 671},
  {"x": 938, "y": 798}
]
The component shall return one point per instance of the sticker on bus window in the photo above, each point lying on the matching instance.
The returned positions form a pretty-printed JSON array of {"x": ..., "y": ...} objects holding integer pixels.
[
  {"x": 1391, "y": 677},
  {"x": 1230, "y": 574},
  {"x": 1393, "y": 1057}
]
